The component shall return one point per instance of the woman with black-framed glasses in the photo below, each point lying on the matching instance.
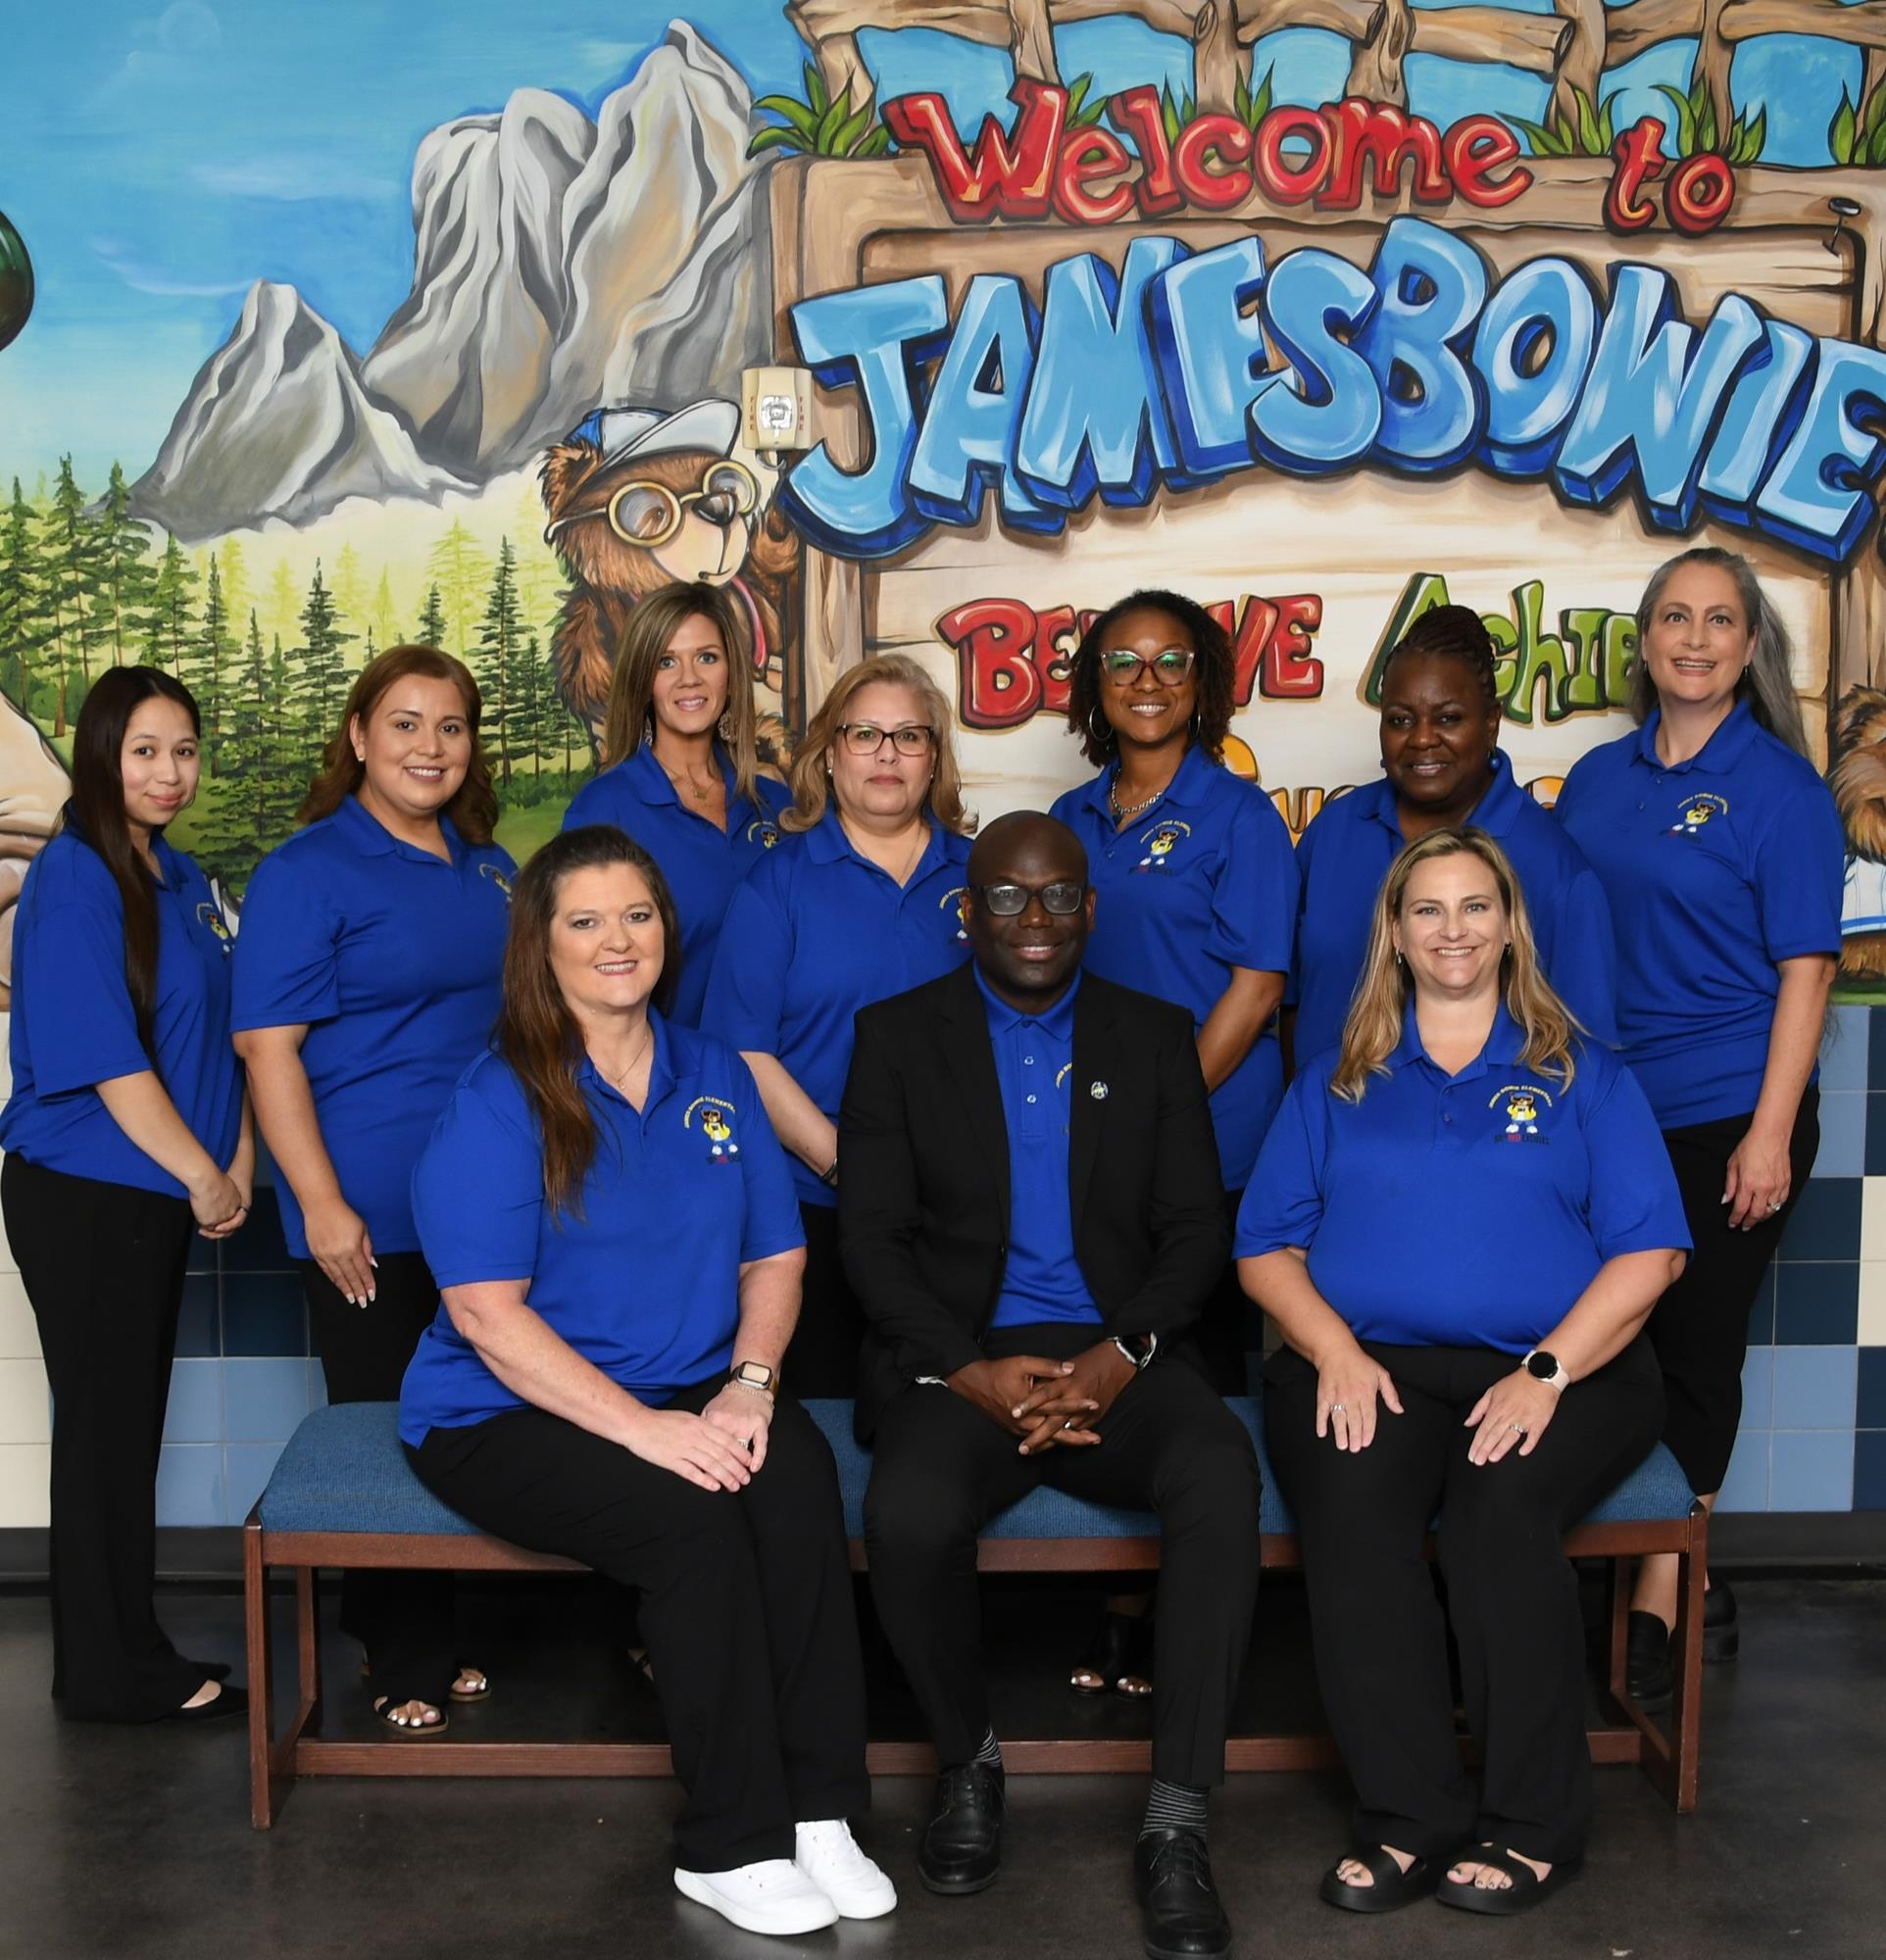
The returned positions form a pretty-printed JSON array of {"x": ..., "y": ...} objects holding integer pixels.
[
  {"x": 1198, "y": 906},
  {"x": 861, "y": 899}
]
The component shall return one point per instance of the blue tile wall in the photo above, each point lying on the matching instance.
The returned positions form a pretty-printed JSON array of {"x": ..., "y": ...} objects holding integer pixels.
[{"x": 1814, "y": 1424}]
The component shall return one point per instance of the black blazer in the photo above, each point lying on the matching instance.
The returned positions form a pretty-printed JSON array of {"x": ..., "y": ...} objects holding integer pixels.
[{"x": 924, "y": 1189}]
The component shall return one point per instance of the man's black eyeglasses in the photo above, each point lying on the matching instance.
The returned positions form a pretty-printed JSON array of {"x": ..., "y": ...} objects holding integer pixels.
[{"x": 1062, "y": 898}]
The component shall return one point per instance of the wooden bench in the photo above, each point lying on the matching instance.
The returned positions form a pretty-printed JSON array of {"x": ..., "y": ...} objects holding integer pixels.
[{"x": 343, "y": 1494}]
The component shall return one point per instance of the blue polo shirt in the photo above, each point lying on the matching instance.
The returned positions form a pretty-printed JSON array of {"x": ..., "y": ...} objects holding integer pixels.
[
  {"x": 701, "y": 863},
  {"x": 394, "y": 959},
  {"x": 817, "y": 931},
  {"x": 1204, "y": 881},
  {"x": 1715, "y": 869},
  {"x": 1465, "y": 1210},
  {"x": 1346, "y": 852},
  {"x": 644, "y": 1279},
  {"x": 73, "y": 1024},
  {"x": 1034, "y": 1056}
]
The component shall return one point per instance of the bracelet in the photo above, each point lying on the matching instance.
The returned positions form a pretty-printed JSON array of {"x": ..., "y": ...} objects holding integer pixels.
[
  {"x": 829, "y": 1175},
  {"x": 750, "y": 1388}
]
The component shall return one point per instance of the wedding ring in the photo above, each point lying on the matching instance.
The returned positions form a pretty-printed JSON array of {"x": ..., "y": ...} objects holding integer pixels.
[
  {"x": 1518, "y": 1428},
  {"x": 1336, "y": 1409},
  {"x": 1776, "y": 1206}
]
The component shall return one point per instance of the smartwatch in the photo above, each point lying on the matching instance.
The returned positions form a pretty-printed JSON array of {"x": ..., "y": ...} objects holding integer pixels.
[
  {"x": 1544, "y": 1367},
  {"x": 1139, "y": 1349},
  {"x": 755, "y": 1375}
]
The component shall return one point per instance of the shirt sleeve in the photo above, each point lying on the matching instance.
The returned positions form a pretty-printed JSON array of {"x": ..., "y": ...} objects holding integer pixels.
[
  {"x": 1579, "y": 953},
  {"x": 1253, "y": 903},
  {"x": 287, "y": 956},
  {"x": 477, "y": 1188},
  {"x": 1283, "y": 1203},
  {"x": 592, "y": 803},
  {"x": 1800, "y": 868},
  {"x": 1633, "y": 1204},
  {"x": 81, "y": 1025},
  {"x": 746, "y": 984},
  {"x": 772, "y": 1224},
  {"x": 1304, "y": 858}
]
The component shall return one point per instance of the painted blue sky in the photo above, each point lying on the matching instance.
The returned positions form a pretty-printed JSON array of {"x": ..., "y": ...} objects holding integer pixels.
[{"x": 163, "y": 157}]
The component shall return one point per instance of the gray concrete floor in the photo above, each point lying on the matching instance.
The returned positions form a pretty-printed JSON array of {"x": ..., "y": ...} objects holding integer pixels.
[{"x": 135, "y": 1843}]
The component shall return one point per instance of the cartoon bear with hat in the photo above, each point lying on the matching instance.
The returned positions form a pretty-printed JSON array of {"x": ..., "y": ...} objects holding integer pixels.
[{"x": 638, "y": 497}]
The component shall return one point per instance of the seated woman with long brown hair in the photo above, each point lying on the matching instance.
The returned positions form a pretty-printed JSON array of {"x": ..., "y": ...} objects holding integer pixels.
[
  {"x": 1460, "y": 1221},
  {"x": 612, "y": 1225}
]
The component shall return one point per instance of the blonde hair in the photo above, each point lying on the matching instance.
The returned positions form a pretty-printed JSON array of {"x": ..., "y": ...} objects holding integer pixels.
[
  {"x": 811, "y": 760},
  {"x": 1379, "y": 1008},
  {"x": 628, "y": 718}
]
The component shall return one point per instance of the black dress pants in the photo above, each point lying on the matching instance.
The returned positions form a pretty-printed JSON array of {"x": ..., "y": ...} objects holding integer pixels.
[
  {"x": 943, "y": 1469},
  {"x": 1700, "y": 1328},
  {"x": 822, "y": 1360},
  {"x": 402, "y": 1619},
  {"x": 103, "y": 1266},
  {"x": 1512, "y": 1595},
  {"x": 746, "y": 1608}
]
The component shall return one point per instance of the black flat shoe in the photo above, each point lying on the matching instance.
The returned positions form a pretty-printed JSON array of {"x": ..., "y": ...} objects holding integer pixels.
[
  {"x": 1647, "y": 1661},
  {"x": 1179, "y": 1912},
  {"x": 961, "y": 1850},
  {"x": 230, "y": 1701},
  {"x": 1392, "y": 1887},
  {"x": 1526, "y": 1890},
  {"x": 1121, "y": 1652},
  {"x": 1721, "y": 1636}
]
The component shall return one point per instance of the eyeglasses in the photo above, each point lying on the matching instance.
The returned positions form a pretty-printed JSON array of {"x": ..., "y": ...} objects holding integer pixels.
[
  {"x": 649, "y": 513},
  {"x": 1169, "y": 668},
  {"x": 1012, "y": 901},
  {"x": 865, "y": 738}
]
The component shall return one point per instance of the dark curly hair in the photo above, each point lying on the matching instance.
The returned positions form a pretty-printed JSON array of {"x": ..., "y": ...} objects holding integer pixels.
[
  {"x": 1215, "y": 670},
  {"x": 1452, "y": 633}
]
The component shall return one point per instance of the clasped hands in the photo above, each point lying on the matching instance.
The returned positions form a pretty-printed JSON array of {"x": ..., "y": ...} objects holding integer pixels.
[{"x": 1047, "y": 1403}]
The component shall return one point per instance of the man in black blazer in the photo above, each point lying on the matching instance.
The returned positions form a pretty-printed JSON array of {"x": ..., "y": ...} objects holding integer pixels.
[{"x": 1030, "y": 1214}]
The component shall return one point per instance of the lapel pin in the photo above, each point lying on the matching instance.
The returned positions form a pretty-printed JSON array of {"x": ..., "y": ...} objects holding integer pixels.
[{"x": 1098, "y": 1091}]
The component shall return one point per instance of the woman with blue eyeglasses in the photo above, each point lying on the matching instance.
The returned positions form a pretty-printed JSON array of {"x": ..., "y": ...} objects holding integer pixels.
[
  {"x": 861, "y": 899},
  {"x": 1197, "y": 904}
]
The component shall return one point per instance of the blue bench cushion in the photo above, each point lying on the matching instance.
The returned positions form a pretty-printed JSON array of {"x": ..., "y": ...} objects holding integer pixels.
[{"x": 343, "y": 1471}]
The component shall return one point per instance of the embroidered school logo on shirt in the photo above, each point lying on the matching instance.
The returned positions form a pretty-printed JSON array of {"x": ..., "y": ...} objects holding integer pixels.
[
  {"x": 960, "y": 899},
  {"x": 1160, "y": 841},
  {"x": 1696, "y": 813},
  {"x": 715, "y": 1126},
  {"x": 1519, "y": 1103},
  {"x": 496, "y": 874},
  {"x": 207, "y": 914},
  {"x": 762, "y": 832}
]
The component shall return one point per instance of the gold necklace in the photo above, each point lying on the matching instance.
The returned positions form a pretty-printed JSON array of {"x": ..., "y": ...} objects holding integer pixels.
[{"x": 615, "y": 1081}]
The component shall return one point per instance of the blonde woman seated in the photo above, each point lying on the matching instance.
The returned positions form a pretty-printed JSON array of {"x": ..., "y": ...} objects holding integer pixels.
[{"x": 1460, "y": 1222}]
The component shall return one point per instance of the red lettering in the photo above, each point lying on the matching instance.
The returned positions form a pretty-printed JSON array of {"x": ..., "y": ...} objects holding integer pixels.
[
  {"x": 1006, "y": 179},
  {"x": 1136, "y": 111},
  {"x": 1280, "y": 181},
  {"x": 998, "y": 686},
  {"x": 1290, "y": 671},
  {"x": 1472, "y": 149},
  {"x": 1086, "y": 156},
  {"x": 1700, "y": 192},
  {"x": 1638, "y": 163},
  {"x": 1054, "y": 657},
  {"x": 1229, "y": 139},
  {"x": 1361, "y": 131}
]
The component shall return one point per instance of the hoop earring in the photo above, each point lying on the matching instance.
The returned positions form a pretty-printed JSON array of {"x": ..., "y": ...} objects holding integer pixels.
[{"x": 724, "y": 726}]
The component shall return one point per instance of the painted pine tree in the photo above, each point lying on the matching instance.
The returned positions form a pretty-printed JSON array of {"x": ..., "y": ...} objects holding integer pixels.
[
  {"x": 207, "y": 663},
  {"x": 497, "y": 661},
  {"x": 325, "y": 675},
  {"x": 459, "y": 569},
  {"x": 19, "y": 605},
  {"x": 431, "y": 627},
  {"x": 170, "y": 622},
  {"x": 68, "y": 555},
  {"x": 124, "y": 580}
]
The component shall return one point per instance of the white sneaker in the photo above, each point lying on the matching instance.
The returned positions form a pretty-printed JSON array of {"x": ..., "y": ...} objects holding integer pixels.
[
  {"x": 828, "y": 1855},
  {"x": 773, "y": 1896}
]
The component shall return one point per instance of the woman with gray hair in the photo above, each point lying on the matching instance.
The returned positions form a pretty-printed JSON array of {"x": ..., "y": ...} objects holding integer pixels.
[{"x": 1721, "y": 852}]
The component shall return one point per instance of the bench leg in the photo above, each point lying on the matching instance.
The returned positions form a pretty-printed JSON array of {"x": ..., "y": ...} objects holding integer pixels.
[
  {"x": 1686, "y": 1667},
  {"x": 255, "y": 1617}
]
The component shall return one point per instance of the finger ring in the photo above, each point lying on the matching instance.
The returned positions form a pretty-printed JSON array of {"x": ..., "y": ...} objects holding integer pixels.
[
  {"x": 1337, "y": 1408},
  {"x": 1776, "y": 1206},
  {"x": 1518, "y": 1428}
]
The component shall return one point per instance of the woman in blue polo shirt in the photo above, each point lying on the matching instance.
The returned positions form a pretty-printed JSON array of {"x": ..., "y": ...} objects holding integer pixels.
[
  {"x": 681, "y": 773},
  {"x": 612, "y": 1224},
  {"x": 125, "y": 1132},
  {"x": 1441, "y": 765},
  {"x": 1721, "y": 853},
  {"x": 861, "y": 900},
  {"x": 366, "y": 976},
  {"x": 1458, "y": 1223}
]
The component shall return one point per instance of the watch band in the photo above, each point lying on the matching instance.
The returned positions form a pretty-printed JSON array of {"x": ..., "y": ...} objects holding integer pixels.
[
  {"x": 1558, "y": 1379},
  {"x": 1140, "y": 1356}
]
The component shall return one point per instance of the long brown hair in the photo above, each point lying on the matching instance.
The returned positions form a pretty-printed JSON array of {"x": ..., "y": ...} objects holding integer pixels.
[
  {"x": 537, "y": 1033},
  {"x": 1379, "y": 1008},
  {"x": 474, "y": 809},
  {"x": 1214, "y": 667},
  {"x": 95, "y": 814},
  {"x": 628, "y": 720},
  {"x": 811, "y": 759}
]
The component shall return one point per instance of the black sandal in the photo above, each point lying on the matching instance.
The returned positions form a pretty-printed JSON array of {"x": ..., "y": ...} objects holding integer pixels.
[
  {"x": 1392, "y": 1887},
  {"x": 1119, "y": 1652},
  {"x": 386, "y": 1714},
  {"x": 1526, "y": 1890}
]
